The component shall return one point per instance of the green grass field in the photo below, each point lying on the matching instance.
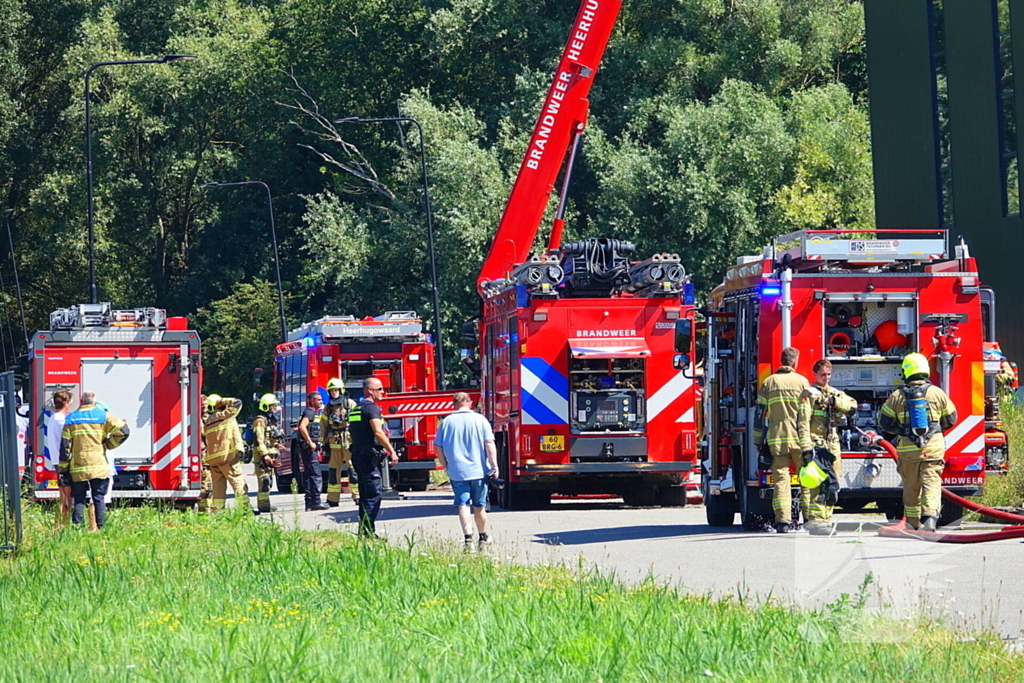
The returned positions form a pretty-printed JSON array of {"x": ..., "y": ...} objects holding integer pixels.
[{"x": 166, "y": 596}]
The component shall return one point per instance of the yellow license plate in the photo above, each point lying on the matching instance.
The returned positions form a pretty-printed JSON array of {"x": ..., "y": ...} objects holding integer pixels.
[
  {"x": 51, "y": 484},
  {"x": 793, "y": 480},
  {"x": 551, "y": 443}
]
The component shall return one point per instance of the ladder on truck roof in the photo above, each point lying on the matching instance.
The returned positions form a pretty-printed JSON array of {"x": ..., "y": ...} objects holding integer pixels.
[{"x": 818, "y": 247}]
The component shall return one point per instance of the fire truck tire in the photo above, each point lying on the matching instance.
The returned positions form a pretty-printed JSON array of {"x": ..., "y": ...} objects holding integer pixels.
[
  {"x": 640, "y": 496},
  {"x": 284, "y": 483},
  {"x": 718, "y": 519},
  {"x": 892, "y": 507},
  {"x": 671, "y": 496},
  {"x": 518, "y": 499},
  {"x": 749, "y": 520},
  {"x": 950, "y": 514}
]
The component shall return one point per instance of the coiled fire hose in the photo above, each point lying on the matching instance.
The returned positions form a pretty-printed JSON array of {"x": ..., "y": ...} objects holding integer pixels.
[{"x": 901, "y": 530}]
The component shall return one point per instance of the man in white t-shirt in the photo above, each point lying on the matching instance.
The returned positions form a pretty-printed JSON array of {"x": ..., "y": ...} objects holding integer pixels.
[{"x": 465, "y": 447}]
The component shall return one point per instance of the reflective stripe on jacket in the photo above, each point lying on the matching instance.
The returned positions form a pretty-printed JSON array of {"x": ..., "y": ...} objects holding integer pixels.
[
  {"x": 88, "y": 432},
  {"x": 220, "y": 431},
  {"x": 814, "y": 426},
  {"x": 264, "y": 440},
  {"x": 894, "y": 418},
  {"x": 777, "y": 404}
]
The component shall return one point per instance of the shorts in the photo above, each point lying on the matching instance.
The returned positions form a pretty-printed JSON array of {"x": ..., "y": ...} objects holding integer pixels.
[{"x": 471, "y": 492}]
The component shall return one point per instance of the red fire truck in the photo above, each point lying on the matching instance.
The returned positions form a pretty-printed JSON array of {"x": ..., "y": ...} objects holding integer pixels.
[
  {"x": 863, "y": 304},
  {"x": 146, "y": 368},
  {"x": 391, "y": 347},
  {"x": 575, "y": 343}
]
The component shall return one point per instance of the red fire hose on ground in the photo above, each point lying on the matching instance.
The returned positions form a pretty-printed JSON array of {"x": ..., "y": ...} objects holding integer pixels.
[{"x": 901, "y": 530}]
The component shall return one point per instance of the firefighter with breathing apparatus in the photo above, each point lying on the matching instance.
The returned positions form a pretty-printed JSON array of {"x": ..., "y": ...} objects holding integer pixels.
[
  {"x": 266, "y": 433},
  {"x": 206, "y": 478},
  {"x": 335, "y": 435},
  {"x": 918, "y": 413},
  {"x": 223, "y": 445},
  {"x": 821, "y": 408}
]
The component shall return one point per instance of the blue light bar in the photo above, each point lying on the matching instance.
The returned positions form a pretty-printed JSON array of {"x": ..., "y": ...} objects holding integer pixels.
[
  {"x": 310, "y": 341},
  {"x": 771, "y": 291}
]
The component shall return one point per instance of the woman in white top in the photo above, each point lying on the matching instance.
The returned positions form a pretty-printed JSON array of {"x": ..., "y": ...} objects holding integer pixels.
[{"x": 54, "y": 429}]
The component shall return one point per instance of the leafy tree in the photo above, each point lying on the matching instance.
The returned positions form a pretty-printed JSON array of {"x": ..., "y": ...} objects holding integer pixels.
[{"x": 239, "y": 333}]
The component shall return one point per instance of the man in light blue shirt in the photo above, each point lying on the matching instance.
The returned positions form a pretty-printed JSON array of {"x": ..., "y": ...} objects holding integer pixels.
[{"x": 465, "y": 447}]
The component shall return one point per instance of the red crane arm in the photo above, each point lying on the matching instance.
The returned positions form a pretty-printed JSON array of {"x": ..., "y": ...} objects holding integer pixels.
[{"x": 562, "y": 117}]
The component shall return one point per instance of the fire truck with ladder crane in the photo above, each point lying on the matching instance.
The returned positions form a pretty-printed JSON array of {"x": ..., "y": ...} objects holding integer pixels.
[
  {"x": 391, "y": 347},
  {"x": 145, "y": 367},
  {"x": 863, "y": 303},
  {"x": 574, "y": 347}
]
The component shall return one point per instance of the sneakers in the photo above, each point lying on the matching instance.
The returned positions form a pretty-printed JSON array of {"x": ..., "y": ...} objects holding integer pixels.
[
  {"x": 782, "y": 527},
  {"x": 483, "y": 543},
  {"x": 467, "y": 543}
]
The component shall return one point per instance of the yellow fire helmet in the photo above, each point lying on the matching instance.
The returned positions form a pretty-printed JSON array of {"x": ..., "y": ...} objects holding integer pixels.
[
  {"x": 212, "y": 400},
  {"x": 811, "y": 475},
  {"x": 267, "y": 400},
  {"x": 335, "y": 383},
  {"x": 915, "y": 364}
]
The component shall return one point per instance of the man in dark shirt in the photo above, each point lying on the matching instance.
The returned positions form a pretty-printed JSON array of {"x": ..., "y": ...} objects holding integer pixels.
[
  {"x": 370, "y": 443},
  {"x": 306, "y": 441}
]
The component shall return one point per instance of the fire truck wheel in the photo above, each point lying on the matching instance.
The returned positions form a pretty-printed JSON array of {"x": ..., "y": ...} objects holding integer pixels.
[
  {"x": 284, "y": 483},
  {"x": 755, "y": 522},
  {"x": 671, "y": 496},
  {"x": 716, "y": 518},
  {"x": 519, "y": 499},
  {"x": 950, "y": 514},
  {"x": 640, "y": 496},
  {"x": 892, "y": 507}
]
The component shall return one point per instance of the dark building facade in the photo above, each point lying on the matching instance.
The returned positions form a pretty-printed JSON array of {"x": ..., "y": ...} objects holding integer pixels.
[{"x": 944, "y": 131}]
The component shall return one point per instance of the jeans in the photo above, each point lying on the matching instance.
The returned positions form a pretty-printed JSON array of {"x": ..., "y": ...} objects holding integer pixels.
[
  {"x": 80, "y": 489},
  {"x": 367, "y": 465},
  {"x": 311, "y": 480}
]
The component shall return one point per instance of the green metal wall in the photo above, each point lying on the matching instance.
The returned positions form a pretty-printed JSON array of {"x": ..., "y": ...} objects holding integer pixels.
[{"x": 904, "y": 57}]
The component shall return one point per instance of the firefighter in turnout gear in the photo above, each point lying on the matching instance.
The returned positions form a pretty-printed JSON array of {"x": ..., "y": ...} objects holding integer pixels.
[
  {"x": 266, "y": 433},
  {"x": 820, "y": 409},
  {"x": 206, "y": 480},
  {"x": 918, "y": 413},
  {"x": 89, "y": 433},
  {"x": 223, "y": 444},
  {"x": 777, "y": 404},
  {"x": 335, "y": 435}
]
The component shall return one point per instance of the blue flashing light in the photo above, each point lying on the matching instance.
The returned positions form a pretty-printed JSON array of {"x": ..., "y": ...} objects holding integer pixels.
[
  {"x": 309, "y": 341},
  {"x": 771, "y": 290},
  {"x": 689, "y": 294}
]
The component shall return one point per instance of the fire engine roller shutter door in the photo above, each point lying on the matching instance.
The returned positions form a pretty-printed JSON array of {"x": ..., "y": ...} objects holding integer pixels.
[
  {"x": 126, "y": 388},
  {"x": 609, "y": 348}
]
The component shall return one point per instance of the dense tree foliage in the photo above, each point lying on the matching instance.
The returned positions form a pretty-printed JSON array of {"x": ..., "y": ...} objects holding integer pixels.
[{"x": 714, "y": 124}]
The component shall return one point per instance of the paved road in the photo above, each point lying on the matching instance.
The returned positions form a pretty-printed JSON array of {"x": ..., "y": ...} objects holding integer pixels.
[{"x": 973, "y": 585}]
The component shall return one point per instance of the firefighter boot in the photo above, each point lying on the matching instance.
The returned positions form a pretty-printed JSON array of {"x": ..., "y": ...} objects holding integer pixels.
[{"x": 929, "y": 523}]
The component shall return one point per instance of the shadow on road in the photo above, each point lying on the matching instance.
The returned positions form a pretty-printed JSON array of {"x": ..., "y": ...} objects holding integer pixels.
[{"x": 624, "y": 533}]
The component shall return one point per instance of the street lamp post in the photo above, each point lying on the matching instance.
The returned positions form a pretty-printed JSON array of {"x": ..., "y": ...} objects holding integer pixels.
[
  {"x": 439, "y": 347},
  {"x": 93, "y": 293},
  {"x": 17, "y": 283},
  {"x": 273, "y": 237}
]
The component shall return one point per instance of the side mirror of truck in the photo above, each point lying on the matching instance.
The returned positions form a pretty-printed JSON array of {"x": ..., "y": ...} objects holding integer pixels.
[
  {"x": 681, "y": 362},
  {"x": 684, "y": 335}
]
